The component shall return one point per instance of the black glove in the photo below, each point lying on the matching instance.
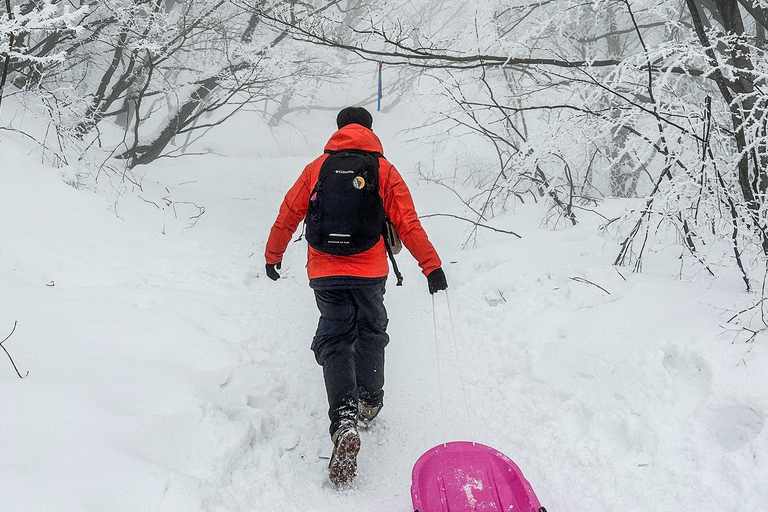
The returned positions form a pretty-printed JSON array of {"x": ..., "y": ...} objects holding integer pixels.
[
  {"x": 271, "y": 272},
  {"x": 436, "y": 280}
]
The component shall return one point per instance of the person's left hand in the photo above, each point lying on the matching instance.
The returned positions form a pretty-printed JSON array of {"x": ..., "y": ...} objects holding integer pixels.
[{"x": 436, "y": 281}]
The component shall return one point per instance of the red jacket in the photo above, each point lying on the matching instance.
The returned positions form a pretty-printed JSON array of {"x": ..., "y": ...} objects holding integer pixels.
[{"x": 397, "y": 204}]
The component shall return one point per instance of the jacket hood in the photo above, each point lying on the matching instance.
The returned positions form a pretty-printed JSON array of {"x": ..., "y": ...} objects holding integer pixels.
[{"x": 354, "y": 136}]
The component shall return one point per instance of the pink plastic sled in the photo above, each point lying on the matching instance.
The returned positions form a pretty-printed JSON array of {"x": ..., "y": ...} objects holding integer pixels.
[{"x": 464, "y": 477}]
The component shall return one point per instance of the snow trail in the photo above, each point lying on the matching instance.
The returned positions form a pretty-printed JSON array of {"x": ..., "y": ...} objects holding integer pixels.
[{"x": 168, "y": 373}]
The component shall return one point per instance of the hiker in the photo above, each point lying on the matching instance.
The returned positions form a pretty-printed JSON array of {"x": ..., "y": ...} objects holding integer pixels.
[{"x": 344, "y": 196}]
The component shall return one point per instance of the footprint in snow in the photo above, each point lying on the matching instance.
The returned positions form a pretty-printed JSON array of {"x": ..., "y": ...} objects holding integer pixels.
[{"x": 734, "y": 426}]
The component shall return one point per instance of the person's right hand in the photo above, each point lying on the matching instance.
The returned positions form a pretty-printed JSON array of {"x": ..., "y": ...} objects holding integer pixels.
[{"x": 272, "y": 272}]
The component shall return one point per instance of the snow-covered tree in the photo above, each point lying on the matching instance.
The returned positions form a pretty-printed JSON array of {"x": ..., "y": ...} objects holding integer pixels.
[
  {"x": 660, "y": 98},
  {"x": 32, "y": 21},
  {"x": 136, "y": 74}
]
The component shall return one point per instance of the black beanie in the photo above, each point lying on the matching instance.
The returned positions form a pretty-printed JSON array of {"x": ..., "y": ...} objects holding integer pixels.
[{"x": 357, "y": 115}]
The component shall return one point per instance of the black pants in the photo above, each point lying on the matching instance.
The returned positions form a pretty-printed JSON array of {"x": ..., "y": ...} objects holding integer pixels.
[{"x": 349, "y": 344}]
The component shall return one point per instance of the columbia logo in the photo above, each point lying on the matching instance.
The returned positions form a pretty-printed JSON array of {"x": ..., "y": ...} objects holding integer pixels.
[{"x": 340, "y": 171}]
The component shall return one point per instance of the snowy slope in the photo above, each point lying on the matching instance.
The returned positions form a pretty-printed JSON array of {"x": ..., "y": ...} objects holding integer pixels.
[{"x": 167, "y": 373}]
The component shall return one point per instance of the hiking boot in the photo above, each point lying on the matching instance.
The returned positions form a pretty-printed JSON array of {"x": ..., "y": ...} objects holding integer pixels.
[
  {"x": 343, "y": 465},
  {"x": 366, "y": 414}
]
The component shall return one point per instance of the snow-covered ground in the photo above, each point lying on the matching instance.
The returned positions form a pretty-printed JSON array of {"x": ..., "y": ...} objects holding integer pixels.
[{"x": 166, "y": 372}]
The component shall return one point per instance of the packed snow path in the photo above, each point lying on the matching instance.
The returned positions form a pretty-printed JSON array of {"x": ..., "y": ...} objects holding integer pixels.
[{"x": 166, "y": 372}]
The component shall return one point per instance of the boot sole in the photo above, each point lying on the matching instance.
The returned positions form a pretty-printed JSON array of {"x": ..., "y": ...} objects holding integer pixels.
[{"x": 343, "y": 466}]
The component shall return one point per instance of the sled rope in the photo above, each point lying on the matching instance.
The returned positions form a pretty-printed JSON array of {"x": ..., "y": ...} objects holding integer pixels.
[
  {"x": 439, "y": 379},
  {"x": 461, "y": 375}
]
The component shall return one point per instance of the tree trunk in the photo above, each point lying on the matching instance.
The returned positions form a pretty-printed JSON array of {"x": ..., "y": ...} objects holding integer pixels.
[
  {"x": 738, "y": 95},
  {"x": 624, "y": 172},
  {"x": 7, "y": 61},
  {"x": 743, "y": 86},
  {"x": 146, "y": 153}
]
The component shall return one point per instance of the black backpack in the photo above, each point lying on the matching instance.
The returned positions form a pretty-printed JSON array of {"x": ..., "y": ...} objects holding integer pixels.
[{"x": 345, "y": 215}]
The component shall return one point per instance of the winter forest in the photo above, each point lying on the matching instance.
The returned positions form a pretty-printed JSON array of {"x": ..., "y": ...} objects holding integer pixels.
[{"x": 593, "y": 174}]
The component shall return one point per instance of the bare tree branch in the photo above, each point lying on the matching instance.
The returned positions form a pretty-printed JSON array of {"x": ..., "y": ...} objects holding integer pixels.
[{"x": 475, "y": 223}]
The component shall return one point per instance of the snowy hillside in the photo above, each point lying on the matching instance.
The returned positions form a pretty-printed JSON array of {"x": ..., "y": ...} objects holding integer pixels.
[{"x": 167, "y": 373}]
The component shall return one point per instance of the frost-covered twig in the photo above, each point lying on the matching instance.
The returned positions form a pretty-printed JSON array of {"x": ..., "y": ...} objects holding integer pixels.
[
  {"x": 475, "y": 223},
  {"x": 587, "y": 281},
  {"x": 9, "y": 355}
]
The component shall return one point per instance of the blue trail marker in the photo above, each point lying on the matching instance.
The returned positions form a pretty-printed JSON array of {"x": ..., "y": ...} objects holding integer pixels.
[{"x": 378, "y": 106}]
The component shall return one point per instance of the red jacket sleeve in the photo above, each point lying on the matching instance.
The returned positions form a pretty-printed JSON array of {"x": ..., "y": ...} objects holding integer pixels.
[
  {"x": 292, "y": 212},
  {"x": 398, "y": 205}
]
